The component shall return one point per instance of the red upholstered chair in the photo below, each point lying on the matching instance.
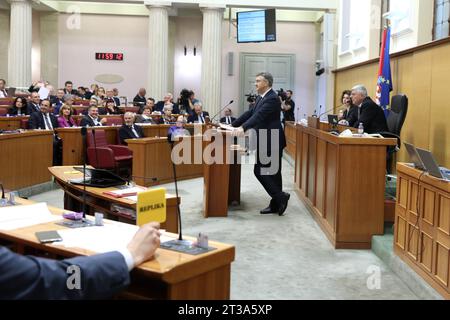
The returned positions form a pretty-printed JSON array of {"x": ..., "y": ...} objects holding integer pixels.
[
  {"x": 132, "y": 109},
  {"x": 6, "y": 101},
  {"x": 3, "y": 112},
  {"x": 102, "y": 155},
  {"x": 114, "y": 121},
  {"x": 24, "y": 123}
]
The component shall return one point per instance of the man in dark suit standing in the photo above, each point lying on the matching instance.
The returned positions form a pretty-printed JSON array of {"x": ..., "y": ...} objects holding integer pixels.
[
  {"x": 102, "y": 275},
  {"x": 264, "y": 117},
  {"x": 140, "y": 99},
  {"x": 33, "y": 105},
  {"x": 228, "y": 119},
  {"x": 369, "y": 113},
  {"x": 199, "y": 116},
  {"x": 129, "y": 130},
  {"x": 47, "y": 121}
]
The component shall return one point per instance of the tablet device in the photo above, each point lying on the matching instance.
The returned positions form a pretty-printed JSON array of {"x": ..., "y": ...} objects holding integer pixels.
[{"x": 48, "y": 236}]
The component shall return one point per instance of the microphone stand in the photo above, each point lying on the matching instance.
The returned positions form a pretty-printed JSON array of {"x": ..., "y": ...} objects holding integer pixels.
[{"x": 211, "y": 119}]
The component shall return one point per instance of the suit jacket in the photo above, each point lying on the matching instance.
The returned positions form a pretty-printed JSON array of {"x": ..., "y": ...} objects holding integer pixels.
[
  {"x": 116, "y": 101},
  {"x": 141, "y": 119},
  {"x": 351, "y": 115},
  {"x": 139, "y": 101},
  {"x": 194, "y": 117},
  {"x": 27, "y": 277},
  {"x": 224, "y": 119},
  {"x": 264, "y": 115},
  {"x": 13, "y": 111},
  {"x": 372, "y": 117},
  {"x": 87, "y": 121},
  {"x": 125, "y": 132},
  {"x": 32, "y": 108},
  {"x": 37, "y": 121},
  {"x": 73, "y": 92}
]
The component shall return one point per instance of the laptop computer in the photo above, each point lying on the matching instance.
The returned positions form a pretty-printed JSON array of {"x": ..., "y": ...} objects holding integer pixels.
[
  {"x": 431, "y": 165},
  {"x": 333, "y": 119},
  {"x": 414, "y": 156},
  {"x": 98, "y": 178}
]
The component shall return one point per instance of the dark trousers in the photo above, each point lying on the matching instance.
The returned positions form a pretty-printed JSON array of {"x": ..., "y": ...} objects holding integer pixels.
[{"x": 273, "y": 184}]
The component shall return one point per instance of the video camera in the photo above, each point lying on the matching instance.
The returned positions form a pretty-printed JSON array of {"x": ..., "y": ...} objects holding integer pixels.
[
  {"x": 251, "y": 97},
  {"x": 282, "y": 94}
]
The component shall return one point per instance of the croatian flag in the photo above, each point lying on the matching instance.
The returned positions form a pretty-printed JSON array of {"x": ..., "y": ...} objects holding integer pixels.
[{"x": 384, "y": 83}]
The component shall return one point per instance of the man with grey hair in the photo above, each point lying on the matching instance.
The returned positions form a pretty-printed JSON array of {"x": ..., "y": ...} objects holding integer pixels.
[
  {"x": 264, "y": 117},
  {"x": 369, "y": 113},
  {"x": 129, "y": 130},
  {"x": 199, "y": 116}
]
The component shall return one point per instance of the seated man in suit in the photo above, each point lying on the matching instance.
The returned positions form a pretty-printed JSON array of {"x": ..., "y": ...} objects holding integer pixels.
[
  {"x": 145, "y": 117},
  {"x": 92, "y": 119},
  {"x": 228, "y": 119},
  {"x": 129, "y": 130},
  {"x": 57, "y": 101},
  {"x": 68, "y": 88},
  {"x": 110, "y": 96},
  {"x": 140, "y": 100},
  {"x": 167, "y": 101},
  {"x": 47, "y": 121},
  {"x": 34, "y": 103},
  {"x": 102, "y": 275},
  {"x": 3, "y": 93},
  {"x": 199, "y": 115},
  {"x": 369, "y": 113}
]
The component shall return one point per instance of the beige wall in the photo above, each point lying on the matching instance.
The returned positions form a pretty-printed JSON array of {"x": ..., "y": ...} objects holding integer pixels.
[
  {"x": 49, "y": 46},
  {"x": 424, "y": 76},
  {"x": 292, "y": 38},
  {"x": 4, "y": 43}
]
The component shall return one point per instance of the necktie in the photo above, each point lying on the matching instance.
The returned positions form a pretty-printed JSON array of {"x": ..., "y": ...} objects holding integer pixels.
[
  {"x": 202, "y": 120},
  {"x": 4, "y": 93},
  {"x": 134, "y": 132},
  {"x": 228, "y": 120},
  {"x": 48, "y": 123},
  {"x": 359, "y": 112}
]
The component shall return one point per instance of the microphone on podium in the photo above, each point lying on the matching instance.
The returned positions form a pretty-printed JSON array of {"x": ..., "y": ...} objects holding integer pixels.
[
  {"x": 324, "y": 113},
  {"x": 220, "y": 111}
]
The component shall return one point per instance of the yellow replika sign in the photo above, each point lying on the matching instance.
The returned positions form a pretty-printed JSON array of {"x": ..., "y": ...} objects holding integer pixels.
[{"x": 151, "y": 206}]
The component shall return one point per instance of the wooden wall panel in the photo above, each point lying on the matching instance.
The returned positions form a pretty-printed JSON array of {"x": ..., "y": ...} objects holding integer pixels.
[
  {"x": 426, "y": 251},
  {"x": 442, "y": 264},
  {"x": 424, "y": 76},
  {"x": 443, "y": 216},
  {"x": 400, "y": 235}
]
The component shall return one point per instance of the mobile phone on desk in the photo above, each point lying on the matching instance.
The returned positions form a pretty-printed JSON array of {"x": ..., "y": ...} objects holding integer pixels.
[{"x": 48, "y": 236}]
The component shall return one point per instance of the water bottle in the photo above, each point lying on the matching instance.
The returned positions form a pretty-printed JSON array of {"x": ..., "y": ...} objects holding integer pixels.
[{"x": 360, "y": 129}]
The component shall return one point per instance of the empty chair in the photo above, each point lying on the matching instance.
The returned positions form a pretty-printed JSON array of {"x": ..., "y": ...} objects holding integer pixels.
[
  {"x": 102, "y": 155},
  {"x": 395, "y": 121}
]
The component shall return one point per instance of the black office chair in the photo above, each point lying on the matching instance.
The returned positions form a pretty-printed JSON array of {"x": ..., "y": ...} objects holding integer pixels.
[{"x": 395, "y": 121}]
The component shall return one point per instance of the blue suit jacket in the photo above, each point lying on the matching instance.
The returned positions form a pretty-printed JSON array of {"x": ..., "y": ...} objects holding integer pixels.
[
  {"x": 26, "y": 277},
  {"x": 265, "y": 115}
]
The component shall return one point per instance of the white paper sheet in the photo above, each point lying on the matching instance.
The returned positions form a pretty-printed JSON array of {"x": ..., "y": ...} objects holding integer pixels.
[
  {"x": 110, "y": 237},
  {"x": 43, "y": 93},
  {"x": 16, "y": 217}
]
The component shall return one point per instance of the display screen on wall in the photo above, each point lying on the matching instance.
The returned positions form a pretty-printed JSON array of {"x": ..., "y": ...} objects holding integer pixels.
[
  {"x": 256, "y": 26},
  {"x": 109, "y": 56}
]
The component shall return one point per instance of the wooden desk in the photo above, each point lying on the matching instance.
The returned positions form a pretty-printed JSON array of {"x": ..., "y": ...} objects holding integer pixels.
[
  {"x": 72, "y": 143},
  {"x": 291, "y": 138},
  {"x": 99, "y": 202},
  {"x": 169, "y": 275},
  {"x": 342, "y": 182},
  {"x": 152, "y": 163},
  {"x": 25, "y": 158},
  {"x": 422, "y": 226},
  {"x": 12, "y": 123}
]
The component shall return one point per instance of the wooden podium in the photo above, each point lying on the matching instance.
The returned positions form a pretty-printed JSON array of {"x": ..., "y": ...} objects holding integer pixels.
[{"x": 222, "y": 181}]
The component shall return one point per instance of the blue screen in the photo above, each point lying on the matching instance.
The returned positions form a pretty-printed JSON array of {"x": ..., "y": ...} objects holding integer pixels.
[{"x": 251, "y": 26}]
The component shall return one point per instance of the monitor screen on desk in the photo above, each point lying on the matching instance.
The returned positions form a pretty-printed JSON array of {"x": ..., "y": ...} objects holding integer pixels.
[{"x": 333, "y": 119}]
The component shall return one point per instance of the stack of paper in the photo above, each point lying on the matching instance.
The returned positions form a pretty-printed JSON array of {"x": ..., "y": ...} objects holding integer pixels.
[
  {"x": 125, "y": 192},
  {"x": 24, "y": 216}
]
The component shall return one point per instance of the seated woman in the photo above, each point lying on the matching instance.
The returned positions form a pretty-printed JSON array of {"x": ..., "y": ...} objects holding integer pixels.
[
  {"x": 19, "y": 107},
  {"x": 145, "y": 117},
  {"x": 348, "y": 113},
  {"x": 178, "y": 130},
  {"x": 65, "y": 119},
  {"x": 111, "y": 108},
  {"x": 168, "y": 117}
]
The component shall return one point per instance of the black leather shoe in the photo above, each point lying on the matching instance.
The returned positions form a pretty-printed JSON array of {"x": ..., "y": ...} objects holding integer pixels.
[
  {"x": 268, "y": 210},
  {"x": 283, "y": 203}
]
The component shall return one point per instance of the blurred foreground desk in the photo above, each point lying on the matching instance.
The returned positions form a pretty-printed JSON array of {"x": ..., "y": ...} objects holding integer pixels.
[
  {"x": 169, "y": 275},
  {"x": 342, "y": 181},
  {"x": 422, "y": 226},
  {"x": 98, "y": 202},
  {"x": 25, "y": 158}
]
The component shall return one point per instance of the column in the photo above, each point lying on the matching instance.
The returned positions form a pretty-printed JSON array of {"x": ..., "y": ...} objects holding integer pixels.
[
  {"x": 20, "y": 38},
  {"x": 49, "y": 47},
  {"x": 212, "y": 59},
  {"x": 158, "y": 44},
  {"x": 4, "y": 34}
]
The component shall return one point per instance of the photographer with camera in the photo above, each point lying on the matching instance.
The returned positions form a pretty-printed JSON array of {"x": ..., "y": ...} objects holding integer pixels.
[
  {"x": 287, "y": 105},
  {"x": 185, "y": 104}
]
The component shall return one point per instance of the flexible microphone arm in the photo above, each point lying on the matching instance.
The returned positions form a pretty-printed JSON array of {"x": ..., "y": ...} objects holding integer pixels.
[
  {"x": 84, "y": 137},
  {"x": 171, "y": 142},
  {"x": 332, "y": 109},
  {"x": 220, "y": 111}
]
